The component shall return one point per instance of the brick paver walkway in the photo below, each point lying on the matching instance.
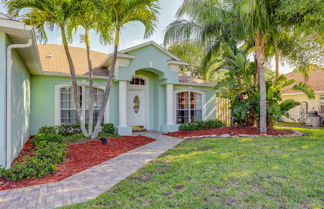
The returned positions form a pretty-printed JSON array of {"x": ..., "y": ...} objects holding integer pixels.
[{"x": 87, "y": 184}]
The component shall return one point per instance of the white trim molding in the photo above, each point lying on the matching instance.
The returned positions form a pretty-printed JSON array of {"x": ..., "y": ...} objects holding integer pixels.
[
  {"x": 145, "y": 88},
  {"x": 57, "y": 109},
  {"x": 147, "y": 44}
]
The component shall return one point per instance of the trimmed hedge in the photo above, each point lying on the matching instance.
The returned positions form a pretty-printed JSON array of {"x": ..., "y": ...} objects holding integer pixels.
[{"x": 201, "y": 125}]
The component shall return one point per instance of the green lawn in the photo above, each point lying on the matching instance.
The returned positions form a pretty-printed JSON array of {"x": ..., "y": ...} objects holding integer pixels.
[{"x": 227, "y": 173}]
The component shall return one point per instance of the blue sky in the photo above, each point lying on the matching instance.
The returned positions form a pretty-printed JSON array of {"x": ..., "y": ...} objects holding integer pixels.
[{"x": 132, "y": 34}]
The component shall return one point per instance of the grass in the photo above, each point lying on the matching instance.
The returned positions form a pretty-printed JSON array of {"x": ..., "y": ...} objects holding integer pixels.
[
  {"x": 227, "y": 173},
  {"x": 80, "y": 137},
  {"x": 289, "y": 124}
]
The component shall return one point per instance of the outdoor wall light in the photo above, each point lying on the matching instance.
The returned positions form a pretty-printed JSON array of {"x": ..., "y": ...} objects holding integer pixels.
[{"x": 104, "y": 140}]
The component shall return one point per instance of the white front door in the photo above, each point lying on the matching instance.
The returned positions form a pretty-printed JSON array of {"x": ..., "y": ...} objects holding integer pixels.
[{"x": 136, "y": 108}]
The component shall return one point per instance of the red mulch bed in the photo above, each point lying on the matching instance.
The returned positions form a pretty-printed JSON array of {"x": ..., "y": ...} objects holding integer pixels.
[
  {"x": 80, "y": 156},
  {"x": 227, "y": 130}
]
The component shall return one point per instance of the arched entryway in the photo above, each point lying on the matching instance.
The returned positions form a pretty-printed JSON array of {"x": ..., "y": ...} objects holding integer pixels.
[{"x": 137, "y": 102}]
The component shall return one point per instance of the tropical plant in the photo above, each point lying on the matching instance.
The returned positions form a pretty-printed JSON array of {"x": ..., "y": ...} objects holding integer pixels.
[
  {"x": 89, "y": 17},
  {"x": 192, "y": 53},
  {"x": 118, "y": 13},
  {"x": 51, "y": 14},
  {"x": 214, "y": 22}
]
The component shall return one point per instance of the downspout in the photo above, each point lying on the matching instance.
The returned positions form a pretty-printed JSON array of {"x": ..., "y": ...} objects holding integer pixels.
[{"x": 8, "y": 87}]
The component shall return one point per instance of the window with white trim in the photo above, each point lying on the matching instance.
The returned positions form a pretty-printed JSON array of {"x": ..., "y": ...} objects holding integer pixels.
[
  {"x": 67, "y": 105},
  {"x": 321, "y": 103},
  {"x": 188, "y": 107}
]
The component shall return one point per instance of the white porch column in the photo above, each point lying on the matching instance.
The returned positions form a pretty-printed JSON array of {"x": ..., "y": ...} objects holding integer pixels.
[
  {"x": 122, "y": 103},
  {"x": 169, "y": 104}
]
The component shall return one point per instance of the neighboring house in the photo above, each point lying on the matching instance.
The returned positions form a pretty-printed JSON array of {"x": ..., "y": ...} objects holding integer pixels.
[
  {"x": 316, "y": 82},
  {"x": 35, "y": 88}
]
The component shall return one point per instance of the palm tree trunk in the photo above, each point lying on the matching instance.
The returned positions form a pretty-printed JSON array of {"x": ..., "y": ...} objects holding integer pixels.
[
  {"x": 255, "y": 77},
  {"x": 108, "y": 85},
  {"x": 276, "y": 57},
  {"x": 90, "y": 123},
  {"x": 76, "y": 92},
  {"x": 259, "y": 52}
]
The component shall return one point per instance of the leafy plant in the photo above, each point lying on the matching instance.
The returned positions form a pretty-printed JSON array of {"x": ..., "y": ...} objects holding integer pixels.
[
  {"x": 51, "y": 152},
  {"x": 48, "y": 130},
  {"x": 108, "y": 128},
  {"x": 47, "y": 138},
  {"x": 32, "y": 167},
  {"x": 201, "y": 125}
]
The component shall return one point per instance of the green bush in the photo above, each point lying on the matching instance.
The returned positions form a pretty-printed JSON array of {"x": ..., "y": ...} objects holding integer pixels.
[
  {"x": 51, "y": 152},
  {"x": 108, "y": 128},
  {"x": 43, "y": 162},
  {"x": 64, "y": 130},
  {"x": 201, "y": 125},
  {"x": 47, "y": 138},
  {"x": 68, "y": 130},
  {"x": 48, "y": 130},
  {"x": 32, "y": 167}
]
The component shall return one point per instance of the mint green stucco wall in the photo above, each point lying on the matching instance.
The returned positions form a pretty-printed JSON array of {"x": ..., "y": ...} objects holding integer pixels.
[
  {"x": 151, "y": 59},
  {"x": 2, "y": 98},
  {"x": 43, "y": 99},
  {"x": 20, "y": 108}
]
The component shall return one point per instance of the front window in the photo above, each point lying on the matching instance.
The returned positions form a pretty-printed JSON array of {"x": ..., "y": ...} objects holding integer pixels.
[
  {"x": 321, "y": 103},
  {"x": 188, "y": 107},
  {"x": 68, "y": 108}
]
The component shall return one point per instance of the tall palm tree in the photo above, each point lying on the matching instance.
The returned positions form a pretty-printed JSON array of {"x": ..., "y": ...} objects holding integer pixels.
[
  {"x": 215, "y": 22},
  {"x": 119, "y": 13},
  {"x": 51, "y": 14},
  {"x": 89, "y": 18}
]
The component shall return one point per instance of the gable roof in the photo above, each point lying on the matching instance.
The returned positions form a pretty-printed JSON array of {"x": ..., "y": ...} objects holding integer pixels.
[
  {"x": 53, "y": 60},
  {"x": 153, "y": 43},
  {"x": 315, "y": 81}
]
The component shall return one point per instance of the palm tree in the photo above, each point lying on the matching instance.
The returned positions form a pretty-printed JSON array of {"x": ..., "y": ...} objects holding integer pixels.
[
  {"x": 51, "y": 13},
  {"x": 118, "y": 13},
  {"x": 89, "y": 18},
  {"x": 215, "y": 22}
]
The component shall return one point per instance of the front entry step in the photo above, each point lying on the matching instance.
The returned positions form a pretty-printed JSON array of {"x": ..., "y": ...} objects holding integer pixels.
[{"x": 139, "y": 129}]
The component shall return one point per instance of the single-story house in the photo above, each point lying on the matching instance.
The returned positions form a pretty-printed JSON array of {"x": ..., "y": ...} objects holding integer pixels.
[
  {"x": 316, "y": 82},
  {"x": 35, "y": 88}
]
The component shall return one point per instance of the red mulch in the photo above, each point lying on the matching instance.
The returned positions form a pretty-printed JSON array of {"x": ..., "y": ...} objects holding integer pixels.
[
  {"x": 227, "y": 130},
  {"x": 79, "y": 157}
]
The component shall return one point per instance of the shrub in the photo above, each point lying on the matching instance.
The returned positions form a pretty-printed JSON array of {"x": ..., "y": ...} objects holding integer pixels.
[
  {"x": 43, "y": 162},
  {"x": 47, "y": 138},
  {"x": 68, "y": 130},
  {"x": 51, "y": 152},
  {"x": 108, "y": 128},
  {"x": 48, "y": 130},
  {"x": 32, "y": 167},
  {"x": 201, "y": 125}
]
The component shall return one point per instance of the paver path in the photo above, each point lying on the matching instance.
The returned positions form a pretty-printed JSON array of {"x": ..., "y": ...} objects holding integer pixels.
[{"x": 89, "y": 183}]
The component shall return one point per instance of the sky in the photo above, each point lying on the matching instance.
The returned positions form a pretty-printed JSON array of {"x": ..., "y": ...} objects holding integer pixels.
[{"x": 133, "y": 33}]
